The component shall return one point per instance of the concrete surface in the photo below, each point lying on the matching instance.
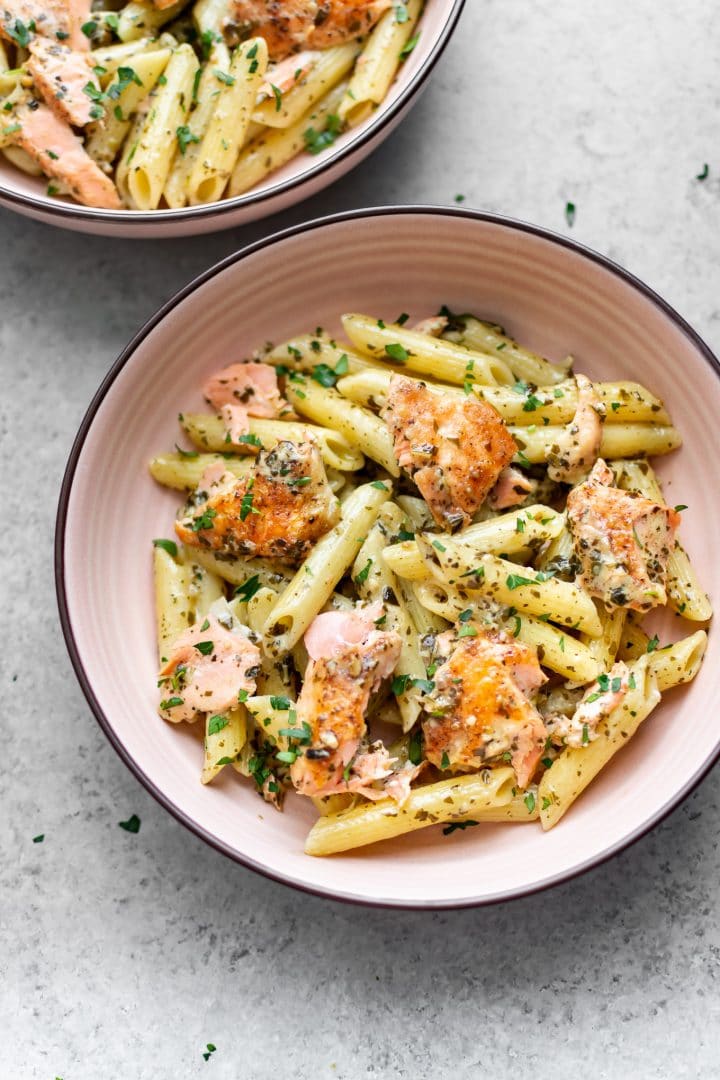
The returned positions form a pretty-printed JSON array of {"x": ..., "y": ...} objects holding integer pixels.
[{"x": 122, "y": 956}]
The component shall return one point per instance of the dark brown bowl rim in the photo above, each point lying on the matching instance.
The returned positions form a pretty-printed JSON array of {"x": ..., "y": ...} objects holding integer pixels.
[
  {"x": 61, "y": 522},
  {"x": 384, "y": 116}
]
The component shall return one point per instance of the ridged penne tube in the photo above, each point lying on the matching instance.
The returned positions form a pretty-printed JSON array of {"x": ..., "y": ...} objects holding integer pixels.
[
  {"x": 377, "y": 64},
  {"x": 140, "y": 19},
  {"x": 362, "y": 429},
  {"x": 307, "y": 351},
  {"x": 560, "y": 549},
  {"x": 556, "y": 650},
  {"x": 375, "y": 581},
  {"x": 225, "y": 133},
  {"x": 524, "y": 364},
  {"x": 417, "y": 511},
  {"x": 208, "y": 432},
  {"x": 575, "y": 768},
  {"x": 432, "y": 804},
  {"x": 149, "y": 169},
  {"x": 520, "y": 587},
  {"x": 424, "y": 354},
  {"x": 204, "y": 588},
  {"x": 130, "y": 149},
  {"x": 210, "y": 15},
  {"x": 206, "y": 91},
  {"x": 440, "y": 598},
  {"x": 172, "y": 603},
  {"x": 618, "y": 441},
  {"x": 283, "y": 110},
  {"x": 393, "y": 518},
  {"x": 111, "y": 57},
  {"x": 405, "y": 560},
  {"x": 604, "y": 649},
  {"x": 625, "y": 402},
  {"x": 238, "y": 572},
  {"x": 274, "y": 147},
  {"x": 184, "y": 473},
  {"x": 105, "y": 138},
  {"x": 328, "y": 561},
  {"x": 678, "y": 663},
  {"x": 684, "y": 591},
  {"x": 424, "y": 620},
  {"x": 633, "y": 642},
  {"x": 523, "y": 807},
  {"x": 275, "y": 676},
  {"x": 225, "y": 736}
]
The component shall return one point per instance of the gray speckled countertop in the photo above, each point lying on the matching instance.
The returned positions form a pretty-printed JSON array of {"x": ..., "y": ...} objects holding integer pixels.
[{"x": 122, "y": 955}]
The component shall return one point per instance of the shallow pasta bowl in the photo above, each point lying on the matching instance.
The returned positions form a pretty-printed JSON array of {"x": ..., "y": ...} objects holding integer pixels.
[
  {"x": 557, "y": 298},
  {"x": 303, "y": 176}
]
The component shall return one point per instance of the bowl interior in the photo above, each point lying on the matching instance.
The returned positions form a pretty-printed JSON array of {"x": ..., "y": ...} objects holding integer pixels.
[
  {"x": 553, "y": 297},
  {"x": 437, "y": 19}
]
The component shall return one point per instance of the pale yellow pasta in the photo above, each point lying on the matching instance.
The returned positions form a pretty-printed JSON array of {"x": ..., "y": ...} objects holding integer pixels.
[
  {"x": 229, "y": 122},
  {"x": 209, "y": 15},
  {"x": 618, "y": 441},
  {"x": 625, "y": 402},
  {"x": 520, "y": 587},
  {"x": 446, "y": 801},
  {"x": 150, "y": 166},
  {"x": 678, "y": 663},
  {"x": 105, "y": 137},
  {"x": 225, "y": 736},
  {"x": 604, "y": 649},
  {"x": 21, "y": 159},
  {"x": 140, "y": 18},
  {"x": 561, "y": 549},
  {"x": 173, "y": 607},
  {"x": 184, "y": 472},
  {"x": 422, "y": 353},
  {"x": 393, "y": 518},
  {"x": 111, "y": 57},
  {"x": 270, "y": 719},
  {"x": 524, "y": 364},
  {"x": 204, "y": 587},
  {"x": 205, "y": 94},
  {"x": 208, "y": 432},
  {"x": 239, "y": 571},
  {"x": 306, "y": 351},
  {"x": 561, "y": 652},
  {"x": 130, "y": 148},
  {"x": 634, "y": 640},
  {"x": 575, "y": 768},
  {"x": 405, "y": 560},
  {"x": 359, "y": 426},
  {"x": 283, "y": 110},
  {"x": 684, "y": 591},
  {"x": 378, "y": 62},
  {"x": 9, "y": 81},
  {"x": 273, "y": 148},
  {"x": 318, "y": 575}
]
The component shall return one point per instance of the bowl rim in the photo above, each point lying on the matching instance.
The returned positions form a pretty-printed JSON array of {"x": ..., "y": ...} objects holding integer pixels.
[
  {"x": 208, "y": 211},
  {"x": 184, "y": 818}
]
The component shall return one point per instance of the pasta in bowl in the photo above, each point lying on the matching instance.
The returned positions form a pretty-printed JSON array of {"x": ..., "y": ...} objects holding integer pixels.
[
  {"x": 419, "y": 578},
  {"x": 164, "y": 110}
]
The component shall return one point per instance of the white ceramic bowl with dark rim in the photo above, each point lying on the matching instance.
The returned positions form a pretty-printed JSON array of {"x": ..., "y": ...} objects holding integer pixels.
[
  {"x": 301, "y": 178},
  {"x": 555, "y": 296}
]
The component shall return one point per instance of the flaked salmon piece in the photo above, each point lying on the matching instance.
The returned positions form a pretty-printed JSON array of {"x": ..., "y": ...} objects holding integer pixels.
[
  {"x": 598, "y": 702},
  {"x": 253, "y": 386},
  {"x": 333, "y": 703},
  {"x": 454, "y": 449},
  {"x": 57, "y": 20},
  {"x": 434, "y": 325},
  {"x": 235, "y": 419},
  {"x": 578, "y": 447},
  {"x": 279, "y": 510},
  {"x": 61, "y": 76},
  {"x": 479, "y": 711},
  {"x": 288, "y": 72},
  {"x": 512, "y": 489},
  {"x": 61, "y": 155},
  {"x": 208, "y": 667},
  {"x": 292, "y": 26},
  {"x": 331, "y": 632},
  {"x": 623, "y": 542}
]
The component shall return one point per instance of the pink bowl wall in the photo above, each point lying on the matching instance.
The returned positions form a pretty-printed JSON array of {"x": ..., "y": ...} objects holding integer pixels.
[{"x": 554, "y": 298}]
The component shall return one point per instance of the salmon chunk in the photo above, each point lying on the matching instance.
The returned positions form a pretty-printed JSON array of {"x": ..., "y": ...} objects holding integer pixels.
[
  {"x": 61, "y": 76},
  {"x": 291, "y": 26},
  {"x": 577, "y": 448},
  {"x": 349, "y": 658},
  {"x": 206, "y": 671},
  {"x": 622, "y": 540},
  {"x": 479, "y": 710},
  {"x": 600, "y": 699},
  {"x": 454, "y": 449},
  {"x": 252, "y": 386},
  {"x": 280, "y": 510},
  {"x": 512, "y": 489},
  {"x": 57, "y": 20},
  {"x": 61, "y": 155}
]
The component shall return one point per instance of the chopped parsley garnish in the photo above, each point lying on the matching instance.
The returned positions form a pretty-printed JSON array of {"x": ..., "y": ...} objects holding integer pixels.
[
  {"x": 247, "y": 590},
  {"x": 455, "y": 825},
  {"x": 529, "y": 801},
  {"x": 363, "y": 575},
  {"x": 223, "y": 77},
  {"x": 467, "y": 631},
  {"x": 401, "y": 682},
  {"x": 131, "y": 825},
  {"x": 401, "y": 13},
  {"x": 300, "y": 481},
  {"x": 281, "y": 703},
  {"x": 520, "y": 525},
  {"x": 415, "y": 747},
  {"x": 653, "y": 643},
  {"x": 514, "y": 581},
  {"x": 204, "y": 520},
  {"x": 246, "y": 503},
  {"x": 93, "y": 92},
  {"x": 459, "y": 198},
  {"x": 405, "y": 534},
  {"x": 171, "y": 703},
  {"x": 585, "y": 735},
  {"x": 704, "y": 172},
  {"x": 250, "y": 440},
  {"x": 277, "y": 94},
  {"x": 438, "y": 545},
  {"x": 207, "y": 40},
  {"x": 185, "y": 137},
  {"x": 167, "y": 545},
  {"x": 225, "y": 761},
  {"x": 125, "y": 76},
  {"x": 316, "y": 141},
  {"x": 211, "y": 1047},
  {"x": 679, "y": 507},
  {"x": 379, "y": 485},
  {"x": 546, "y": 802},
  {"x": 570, "y": 213},
  {"x": 217, "y": 723},
  {"x": 407, "y": 49},
  {"x": 444, "y": 761},
  {"x": 205, "y": 648},
  {"x": 39, "y": 838},
  {"x": 186, "y": 453},
  {"x": 396, "y": 352},
  {"x": 465, "y": 615},
  {"x": 402, "y": 319}
]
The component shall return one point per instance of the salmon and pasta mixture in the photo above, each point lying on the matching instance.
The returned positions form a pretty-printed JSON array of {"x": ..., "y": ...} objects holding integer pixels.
[
  {"x": 416, "y": 574},
  {"x": 163, "y": 104}
]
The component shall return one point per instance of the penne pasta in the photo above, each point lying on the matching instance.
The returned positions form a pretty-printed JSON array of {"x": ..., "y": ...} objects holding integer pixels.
[
  {"x": 225, "y": 736},
  {"x": 107, "y": 135},
  {"x": 141, "y": 18},
  {"x": 281, "y": 110},
  {"x": 378, "y": 62},
  {"x": 172, "y": 602},
  {"x": 490, "y": 339},
  {"x": 618, "y": 441}
]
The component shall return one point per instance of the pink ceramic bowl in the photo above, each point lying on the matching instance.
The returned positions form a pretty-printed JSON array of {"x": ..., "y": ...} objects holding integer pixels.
[
  {"x": 301, "y": 178},
  {"x": 556, "y": 297}
]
